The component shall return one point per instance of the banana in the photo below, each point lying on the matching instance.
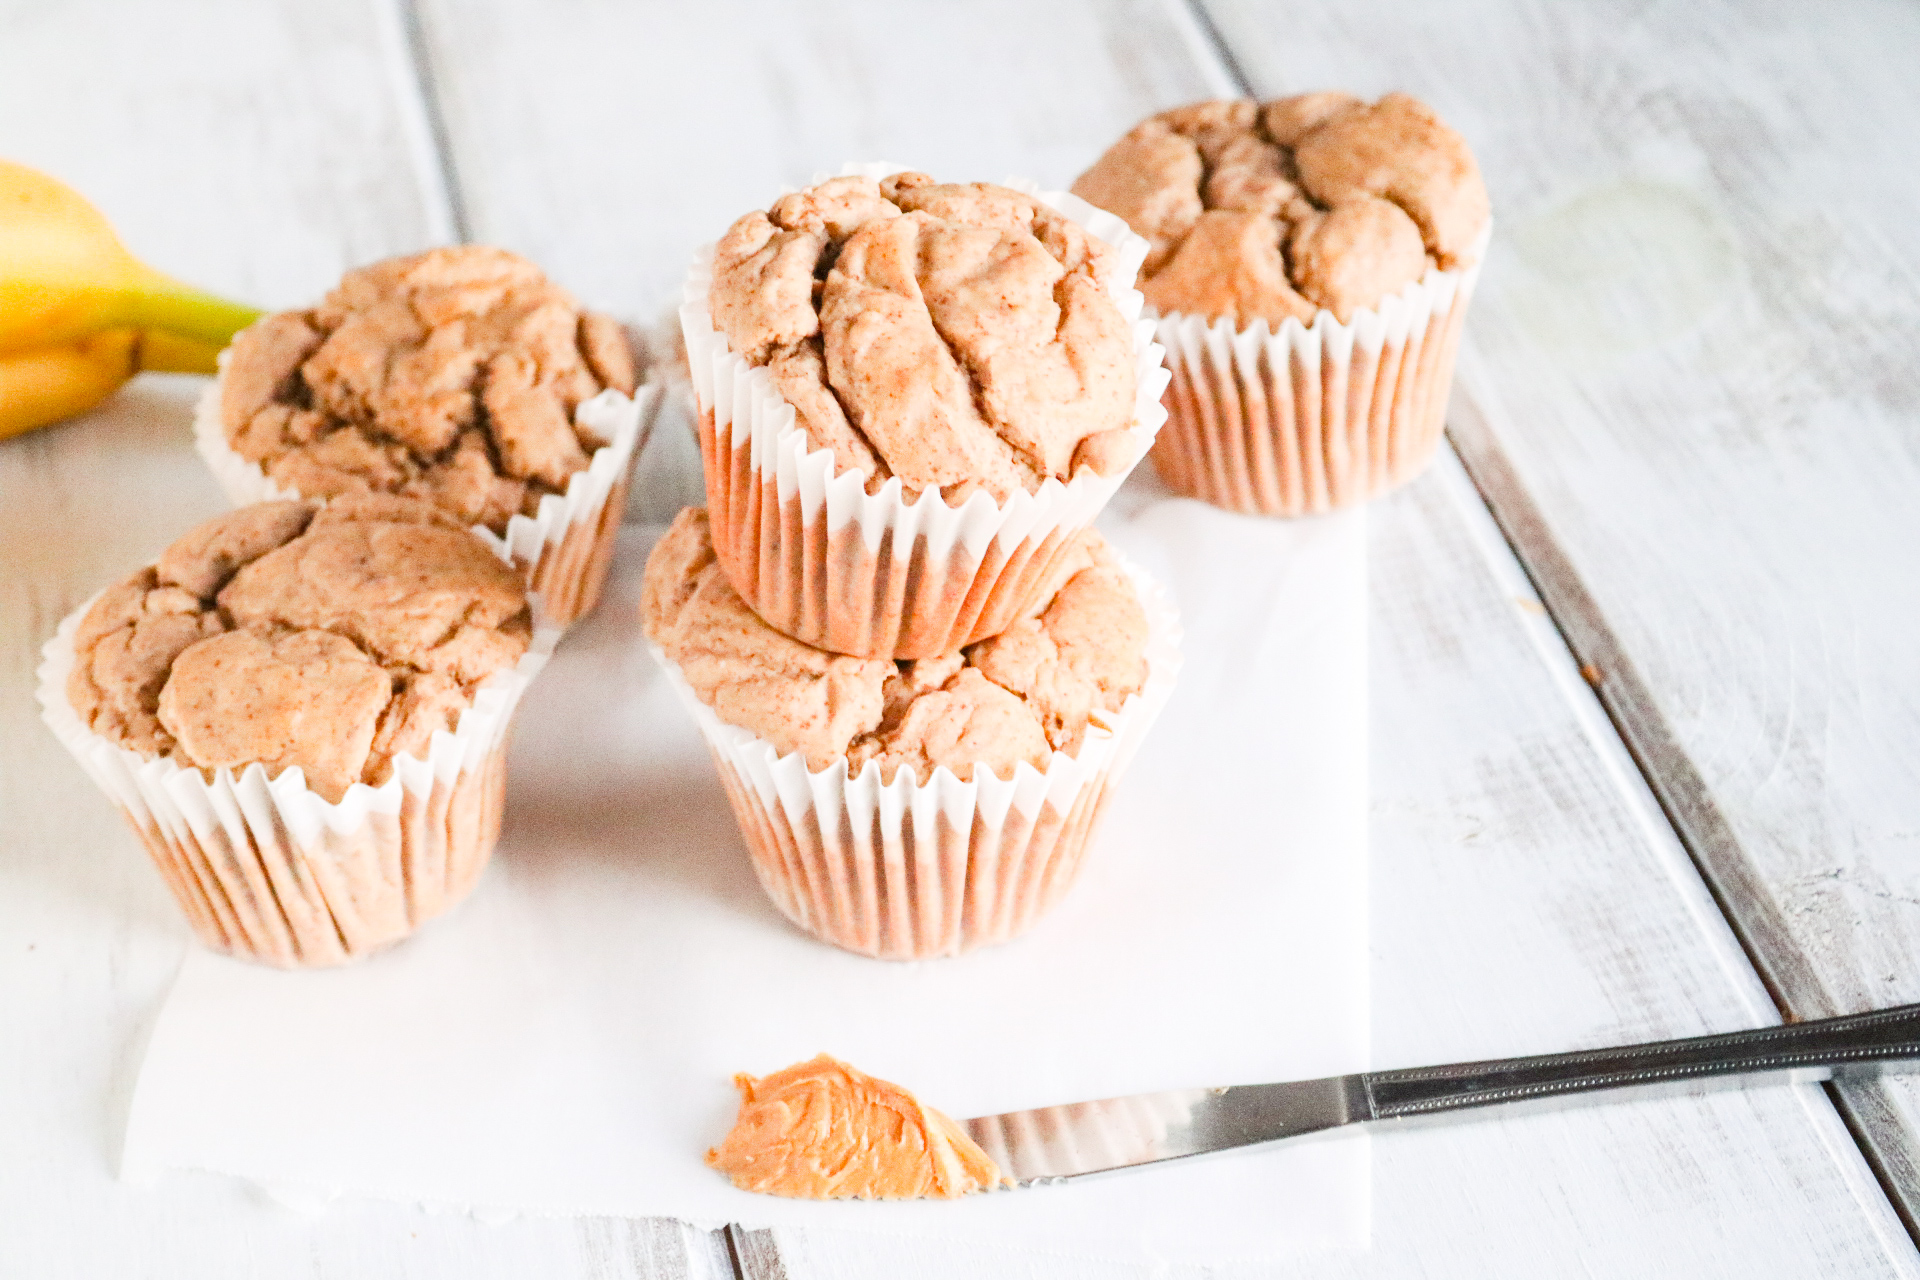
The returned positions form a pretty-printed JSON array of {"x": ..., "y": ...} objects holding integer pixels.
[
  {"x": 64, "y": 275},
  {"x": 162, "y": 352},
  {"x": 79, "y": 315},
  {"x": 38, "y": 387},
  {"x": 45, "y": 386}
]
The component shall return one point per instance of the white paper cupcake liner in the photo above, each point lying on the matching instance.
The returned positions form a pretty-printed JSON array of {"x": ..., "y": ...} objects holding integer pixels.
[
  {"x": 268, "y": 870},
  {"x": 1314, "y": 417},
  {"x": 911, "y": 870},
  {"x": 562, "y": 551},
  {"x": 818, "y": 557}
]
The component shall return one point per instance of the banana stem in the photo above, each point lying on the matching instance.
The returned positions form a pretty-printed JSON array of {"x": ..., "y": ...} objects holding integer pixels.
[
  {"x": 163, "y": 352},
  {"x": 176, "y": 308}
]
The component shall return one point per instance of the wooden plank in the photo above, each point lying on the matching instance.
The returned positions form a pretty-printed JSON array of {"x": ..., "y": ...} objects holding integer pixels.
[
  {"x": 1868, "y": 1106},
  {"x": 1531, "y": 896},
  {"x": 755, "y": 1254},
  {"x": 258, "y": 149},
  {"x": 1694, "y": 395}
]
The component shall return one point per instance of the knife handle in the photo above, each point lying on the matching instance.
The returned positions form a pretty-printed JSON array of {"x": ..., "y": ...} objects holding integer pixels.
[{"x": 1879, "y": 1036}]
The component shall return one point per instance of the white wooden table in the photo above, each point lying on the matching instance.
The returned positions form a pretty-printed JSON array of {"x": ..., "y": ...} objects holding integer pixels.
[{"x": 1689, "y": 410}]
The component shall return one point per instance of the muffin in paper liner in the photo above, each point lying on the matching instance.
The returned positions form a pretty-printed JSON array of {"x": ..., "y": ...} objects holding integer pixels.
[
  {"x": 270, "y": 871},
  {"x": 1314, "y": 417},
  {"x": 877, "y": 575},
  {"x": 910, "y": 870},
  {"x": 562, "y": 551}
]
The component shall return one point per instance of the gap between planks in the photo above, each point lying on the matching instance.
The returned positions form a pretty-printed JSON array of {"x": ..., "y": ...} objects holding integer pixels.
[
  {"x": 754, "y": 1254},
  {"x": 1687, "y": 804},
  {"x": 433, "y": 142},
  {"x": 1698, "y": 823}
]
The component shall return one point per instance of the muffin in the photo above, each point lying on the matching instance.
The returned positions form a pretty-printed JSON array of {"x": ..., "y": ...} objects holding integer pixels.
[
  {"x": 462, "y": 377},
  {"x": 1310, "y": 260},
  {"x": 921, "y": 807},
  {"x": 301, "y": 709},
  {"x": 912, "y": 395}
]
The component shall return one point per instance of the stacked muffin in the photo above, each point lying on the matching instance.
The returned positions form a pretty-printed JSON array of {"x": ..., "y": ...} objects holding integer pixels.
[
  {"x": 917, "y": 666},
  {"x": 301, "y": 707},
  {"x": 1312, "y": 259}
]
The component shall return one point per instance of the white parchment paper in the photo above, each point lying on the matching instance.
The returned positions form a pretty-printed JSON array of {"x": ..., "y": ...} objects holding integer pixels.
[{"x": 563, "y": 1043}]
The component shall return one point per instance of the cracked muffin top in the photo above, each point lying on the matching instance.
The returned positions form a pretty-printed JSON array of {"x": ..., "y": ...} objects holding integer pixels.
[
  {"x": 451, "y": 376},
  {"x": 331, "y": 637},
  {"x": 1265, "y": 211},
  {"x": 959, "y": 337},
  {"x": 1021, "y": 695}
]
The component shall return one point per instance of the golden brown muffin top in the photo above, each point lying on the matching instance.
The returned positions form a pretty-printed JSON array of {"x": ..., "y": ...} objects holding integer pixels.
[
  {"x": 451, "y": 376},
  {"x": 1265, "y": 211},
  {"x": 820, "y": 1130},
  {"x": 287, "y": 633},
  {"x": 959, "y": 337},
  {"x": 1022, "y": 695}
]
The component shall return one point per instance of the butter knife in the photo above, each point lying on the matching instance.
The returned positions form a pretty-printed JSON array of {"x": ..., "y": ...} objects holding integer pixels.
[{"x": 1049, "y": 1144}]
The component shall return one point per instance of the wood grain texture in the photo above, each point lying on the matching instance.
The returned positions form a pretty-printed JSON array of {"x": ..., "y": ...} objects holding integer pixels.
[
  {"x": 755, "y": 1254},
  {"x": 1692, "y": 359},
  {"x": 259, "y": 149},
  {"x": 1870, "y": 1107},
  {"x": 1530, "y": 894}
]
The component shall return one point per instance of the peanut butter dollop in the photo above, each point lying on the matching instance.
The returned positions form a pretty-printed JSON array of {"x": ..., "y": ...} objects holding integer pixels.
[{"x": 821, "y": 1130}]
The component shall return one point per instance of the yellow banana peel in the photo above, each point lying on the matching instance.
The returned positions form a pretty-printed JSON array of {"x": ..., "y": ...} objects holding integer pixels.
[
  {"x": 162, "y": 352},
  {"x": 38, "y": 387},
  {"x": 42, "y": 387},
  {"x": 79, "y": 315}
]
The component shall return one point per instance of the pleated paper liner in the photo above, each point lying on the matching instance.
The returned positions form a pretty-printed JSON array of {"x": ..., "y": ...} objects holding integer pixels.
[
  {"x": 1314, "y": 417},
  {"x": 910, "y": 870},
  {"x": 270, "y": 871},
  {"x": 878, "y": 575},
  {"x": 562, "y": 551}
]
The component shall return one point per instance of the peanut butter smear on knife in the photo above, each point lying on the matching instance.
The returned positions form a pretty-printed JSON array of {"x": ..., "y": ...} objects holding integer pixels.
[{"x": 820, "y": 1130}]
